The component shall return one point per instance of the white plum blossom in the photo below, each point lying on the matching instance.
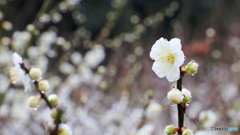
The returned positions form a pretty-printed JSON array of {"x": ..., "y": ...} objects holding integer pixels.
[
  {"x": 64, "y": 129},
  {"x": 17, "y": 74},
  {"x": 168, "y": 58}
]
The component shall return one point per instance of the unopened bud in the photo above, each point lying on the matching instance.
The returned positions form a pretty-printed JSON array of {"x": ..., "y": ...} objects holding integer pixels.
[
  {"x": 191, "y": 68},
  {"x": 53, "y": 99},
  {"x": 34, "y": 101},
  {"x": 187, "y": 132},
  {"x": 175, "y": 96},
  {"x": 187, "y": 95},
  {"x": 170, "y": 130},
  {"x": 35, "y": 73},
  {"x": 54, "y": 113},
  {"x": 43, "y": 85}
]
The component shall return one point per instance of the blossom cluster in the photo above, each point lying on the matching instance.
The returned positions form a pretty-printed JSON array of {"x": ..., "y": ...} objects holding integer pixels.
[
  {"x": 20, "y": 73},
  {"x": 169, "y": 58}
]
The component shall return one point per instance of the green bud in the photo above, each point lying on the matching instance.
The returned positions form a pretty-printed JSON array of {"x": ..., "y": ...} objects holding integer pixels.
[
  {"x": 191, "y": 68},
  {"x": 53, "y": 99},
  {"x": 187, "y": 95},
  {"x": 187, "y": 132},
  {"x": 170, "y": 130},
  {"x": 54, "y": 113}
]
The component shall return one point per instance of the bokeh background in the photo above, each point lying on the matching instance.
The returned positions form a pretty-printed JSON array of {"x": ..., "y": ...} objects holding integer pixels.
[{"x": 95, "y": 54}]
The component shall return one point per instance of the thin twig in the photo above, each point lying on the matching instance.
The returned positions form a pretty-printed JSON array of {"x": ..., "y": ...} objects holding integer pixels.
[{"x": 180, "y": 106}]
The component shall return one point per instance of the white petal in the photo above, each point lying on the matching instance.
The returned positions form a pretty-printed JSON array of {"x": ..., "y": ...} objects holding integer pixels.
[
  {"x": 179, "y": 58},
  {"x": 161, "y": 72},
  {"x": 173, "y": 74},
  {"x": 176, "y": 43},
  {"x": 154, "y": 54},
  {"x": 17, "y": 59}
]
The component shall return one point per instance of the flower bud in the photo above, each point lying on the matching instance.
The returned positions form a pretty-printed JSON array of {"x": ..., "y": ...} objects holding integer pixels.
[
  {"x": 175, "y": 96},
  {"x": 170, "y": 130},
  {"x": 187, "y": 132},
  {"x": 43, "y": 85},
  {"x": 53, "y": 99},
  {"x": 191, "y": 68},
  {"x": 153, "y": 110},
  {"x": 35, "y": 73},
  {"x": 54, "y": 113},
  {"x": 187, "y": 95},
  {"x": 34, "y": 101}
]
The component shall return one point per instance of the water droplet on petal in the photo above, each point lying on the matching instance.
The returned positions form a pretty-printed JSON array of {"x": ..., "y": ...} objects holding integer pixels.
[
  {"x": 187, "y": 104},
  {"x": 185, "y": 57},
  {"x": 171, "y": 104},
  {"x": 42, "y": 92}
]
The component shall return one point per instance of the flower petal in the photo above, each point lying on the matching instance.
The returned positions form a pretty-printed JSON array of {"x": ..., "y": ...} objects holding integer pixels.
[
  {"x": 179, "y": 58},
  {"x": 173, "y": 74},
  {"x": 154, "y": 54},
  {"x": 17, "y": 59},
  {"x": 176, "y": 43},
  {"x": 159, "y": 70}
]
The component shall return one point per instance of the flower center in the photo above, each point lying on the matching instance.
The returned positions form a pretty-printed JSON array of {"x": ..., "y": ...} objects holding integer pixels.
[
  {"x": 167, "y": 58},
  {"x": 170, "y": 58}
]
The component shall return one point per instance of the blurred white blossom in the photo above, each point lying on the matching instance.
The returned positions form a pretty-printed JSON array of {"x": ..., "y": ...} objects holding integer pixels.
[
  {"x": 153, "y": 110},
  {"x": 4, "y": 83},
  {"x": 66, "y": 68},
  {"x": 95, "y": 56},
  {"x": 20, "y": 39},
  {"x": 146, "y": 130},
  {"x": 46, "y": 40},
  {"x": 208, "y": 118},
  {"x": 76, "y": 58}
]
